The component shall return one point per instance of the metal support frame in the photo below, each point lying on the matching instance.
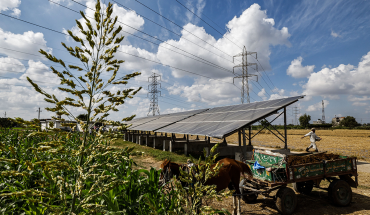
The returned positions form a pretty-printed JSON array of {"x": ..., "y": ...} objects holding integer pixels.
[{"x": 285, "y": 136}]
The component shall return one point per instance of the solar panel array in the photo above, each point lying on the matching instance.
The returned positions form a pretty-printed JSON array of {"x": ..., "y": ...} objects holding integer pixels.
[
  {"x": 215, "y": 122},
  {"x": 165, "y": 120}
]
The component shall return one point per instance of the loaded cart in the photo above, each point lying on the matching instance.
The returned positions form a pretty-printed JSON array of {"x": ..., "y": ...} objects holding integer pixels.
[{"x": 274, "y": 170}]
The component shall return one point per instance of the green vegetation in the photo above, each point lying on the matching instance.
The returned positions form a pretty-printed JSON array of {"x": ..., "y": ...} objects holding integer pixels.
[
  {"x": 304, "y": 120},
  {"x": 349, "y": 121},
  {"x": 157, "y": 154},
  {"x": 38, "y": 176}
]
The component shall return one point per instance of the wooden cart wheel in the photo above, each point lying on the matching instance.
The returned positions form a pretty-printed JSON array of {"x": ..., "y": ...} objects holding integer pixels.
[
  {"x": 304, "y": 187},
  {"x": 247, "y": 198},
  {"x": 340, "y": 193},
  {"x": 286, "y": 200}
]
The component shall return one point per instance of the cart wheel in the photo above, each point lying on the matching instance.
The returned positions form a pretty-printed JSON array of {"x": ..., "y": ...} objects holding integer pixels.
[
  {"x": 340, "y": 193},
  {"x": 247, "y": 198},
  {"x": 286, "y": 200},
  {"x": 304, "y": 187}
]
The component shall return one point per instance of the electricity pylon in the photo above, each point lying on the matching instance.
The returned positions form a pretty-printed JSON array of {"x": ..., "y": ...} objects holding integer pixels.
[
  {"x": 39, "y": 112},
  {"x": 245, "y": 75},
  {"x": 153, "y": 91}
]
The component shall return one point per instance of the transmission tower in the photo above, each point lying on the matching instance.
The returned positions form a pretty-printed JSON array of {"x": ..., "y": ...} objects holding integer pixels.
[
  {"x": 153, "y": 91},
  {"x": 296, "y": 112},
  {"x": 39, "y": 112},
  {"x": 323, "y": 112},
  {"x": 245, "y": 75}
]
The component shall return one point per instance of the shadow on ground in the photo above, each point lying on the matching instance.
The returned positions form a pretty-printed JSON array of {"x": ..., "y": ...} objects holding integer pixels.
[{"x": 316, "y": 202}]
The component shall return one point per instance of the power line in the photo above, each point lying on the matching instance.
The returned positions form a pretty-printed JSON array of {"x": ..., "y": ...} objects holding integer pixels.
[
  {"x": 208, "y": 24},
  {"x": 179, "y": 26},
  {"x": 126, "y": 53},
  {"x": 158, "y": 25},
  {"x": 265, "y": 72}
]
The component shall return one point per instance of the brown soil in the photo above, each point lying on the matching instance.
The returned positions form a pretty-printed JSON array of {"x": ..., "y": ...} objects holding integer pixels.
[{"x": 312, "y": 158}]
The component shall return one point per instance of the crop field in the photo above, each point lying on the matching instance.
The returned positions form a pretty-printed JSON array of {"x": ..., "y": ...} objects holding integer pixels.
[{"x": 340, "y": 141}]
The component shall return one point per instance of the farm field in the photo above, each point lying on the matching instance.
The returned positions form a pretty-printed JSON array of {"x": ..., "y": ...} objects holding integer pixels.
[
  {"x": 315, "y": 203},
  {"x": 340, "y": 141}
]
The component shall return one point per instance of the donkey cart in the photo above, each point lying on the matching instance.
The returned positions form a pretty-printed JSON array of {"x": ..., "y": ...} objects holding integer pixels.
[{"x": 274, "y": 170}]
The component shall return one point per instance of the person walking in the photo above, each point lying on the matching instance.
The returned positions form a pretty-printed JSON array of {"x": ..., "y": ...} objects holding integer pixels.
[{"x": 313, "y": 139}]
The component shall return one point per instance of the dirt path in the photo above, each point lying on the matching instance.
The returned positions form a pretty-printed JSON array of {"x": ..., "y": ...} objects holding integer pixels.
[{"x": 363, "y": 166}]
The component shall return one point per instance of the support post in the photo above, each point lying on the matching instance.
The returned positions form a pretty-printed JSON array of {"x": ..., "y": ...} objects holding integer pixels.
[
  {"x": 186, "y": 146},
  {"x": 154, "y": 138},
  {"x": 244, "y": 143},
  {"x": 285, "y": 133},
  {"x": 250, "y": 135},
  {"x": 171, "y": 142},
  {"x": 240, "y": 138},
  {"x": 147, "y": 139},
  {"x": 132, "y": 136},
  {"x": 164, "y": 144}
]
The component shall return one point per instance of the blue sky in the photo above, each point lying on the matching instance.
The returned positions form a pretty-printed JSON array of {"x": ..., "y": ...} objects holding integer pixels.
[{"x": 315, "y": 48}]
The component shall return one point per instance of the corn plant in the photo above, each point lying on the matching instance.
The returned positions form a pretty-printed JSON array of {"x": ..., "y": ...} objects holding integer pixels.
[{"x": 197, "y": 192}]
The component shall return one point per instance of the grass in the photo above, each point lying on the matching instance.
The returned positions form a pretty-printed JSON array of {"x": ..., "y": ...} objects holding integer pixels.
[{"x": 156, "y": 154}]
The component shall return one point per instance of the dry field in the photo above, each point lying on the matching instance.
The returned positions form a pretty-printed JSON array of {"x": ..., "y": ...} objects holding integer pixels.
[{"x": 343, "y": 142}]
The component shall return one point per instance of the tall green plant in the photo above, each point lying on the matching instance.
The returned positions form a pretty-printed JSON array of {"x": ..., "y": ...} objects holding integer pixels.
[
  {"x": 96, "y": 51},
  {"x": 197, "y": 192}
]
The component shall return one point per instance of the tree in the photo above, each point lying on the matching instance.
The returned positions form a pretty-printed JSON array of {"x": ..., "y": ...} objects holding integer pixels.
[
  {"x": 88, "y": 90},
  {"x": 304, "y": 120},
  {"x": 265, "y": 123},
  {"x": 82, "y": 117},
  {"x": 349, "y": 121}
]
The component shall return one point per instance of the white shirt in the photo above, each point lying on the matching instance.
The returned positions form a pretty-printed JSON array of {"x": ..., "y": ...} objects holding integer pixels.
[{"x": 312, "y": 135}]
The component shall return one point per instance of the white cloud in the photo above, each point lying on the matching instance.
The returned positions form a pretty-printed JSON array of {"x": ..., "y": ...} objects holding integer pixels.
[
  {"x": 318, "y": 106},
  {"x": 198, "y": 9},
  {"x": 40, "y": 73},
  {"x": 294, "y": 93},
  {"x": 127, "y": 17},
  {"x": 29, "y": 42},
  {"x": 360, "y": 104},
  {"x": 9, "y": 5},
  {"x": 16, "y": 12},
  {"x": 252, "y": 19},
  {"x": 357, "y": 99},
  {"x": 262, "y": 94},
  {"x": 11, "y": 66},
  {"x": 296, "y": 69},
  {"x": 174, "y": 110},
  {"x": 344, "y": 79},
  {"x": 209, "y": 91},
  {"x": 277, "y": 94},
  {"x": 142, "y": 109},
  {"x": 333, "y": 34}
]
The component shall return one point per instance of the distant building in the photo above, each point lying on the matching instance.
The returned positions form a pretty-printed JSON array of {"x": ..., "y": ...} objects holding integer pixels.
[
  {"x": 318, "y": 122},
  {"x": 336, "y": 120}
]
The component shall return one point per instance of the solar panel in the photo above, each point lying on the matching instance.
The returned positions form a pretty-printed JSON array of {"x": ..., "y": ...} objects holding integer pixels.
[
  {"x": 142, "y": 120},
  {"x": 220, "y": 121},
  {"x": 161, "y": 121}
]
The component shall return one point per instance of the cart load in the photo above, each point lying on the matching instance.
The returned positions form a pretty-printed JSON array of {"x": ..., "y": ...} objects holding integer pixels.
[
  {"x": 278, "y": 165},
  {"x": 274, "y": 170}
]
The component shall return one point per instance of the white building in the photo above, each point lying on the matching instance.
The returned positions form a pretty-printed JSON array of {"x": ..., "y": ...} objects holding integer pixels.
[
  {"x": 318, "y": 122},
  {"x": 45, "y": 124}
]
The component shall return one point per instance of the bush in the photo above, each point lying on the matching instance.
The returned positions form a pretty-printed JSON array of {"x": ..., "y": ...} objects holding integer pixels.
[{"x": 7, "y": 123}]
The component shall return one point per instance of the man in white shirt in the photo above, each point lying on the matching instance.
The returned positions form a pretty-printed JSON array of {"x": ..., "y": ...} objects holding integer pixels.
[{"x": 313, "y": 139}]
